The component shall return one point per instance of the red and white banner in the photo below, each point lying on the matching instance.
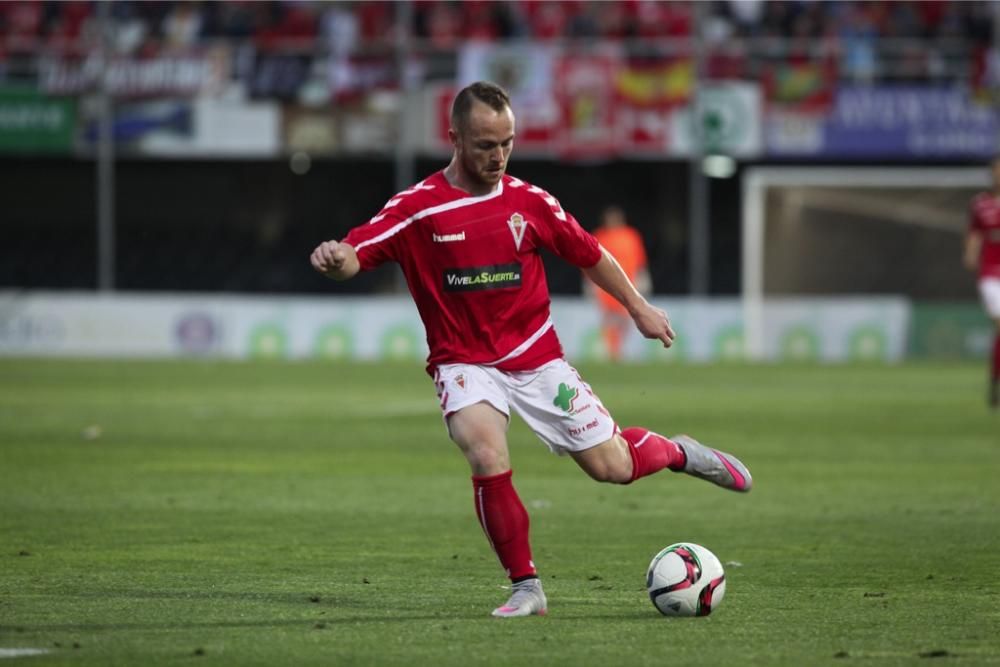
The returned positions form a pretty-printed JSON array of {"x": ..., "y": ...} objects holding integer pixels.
[
  {"x": 601, "y": 104},
  {"x": 585, "y": 96}
]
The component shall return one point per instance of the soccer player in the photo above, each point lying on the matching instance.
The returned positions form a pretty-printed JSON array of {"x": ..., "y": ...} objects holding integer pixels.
[
  {"x": 468, "y": 240},
  {"x": 624, "y": 243},
  {"x": 982, "y": 253}
]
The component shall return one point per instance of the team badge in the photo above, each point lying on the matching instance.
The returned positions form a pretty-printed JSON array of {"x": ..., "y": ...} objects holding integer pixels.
[
  {"x": 460, "y": 380},
  {"x": 517, "y": 227}
]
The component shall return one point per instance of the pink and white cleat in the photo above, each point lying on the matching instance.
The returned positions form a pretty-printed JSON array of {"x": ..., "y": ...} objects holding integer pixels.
[
  {"x": 714, "y": 466},
  {"x": 527, "y": 599}
]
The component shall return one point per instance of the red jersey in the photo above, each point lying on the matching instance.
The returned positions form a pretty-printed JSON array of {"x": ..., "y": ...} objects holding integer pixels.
[
  {"x": 985, "y": 216},
  {"x": 473, "y": 267}
]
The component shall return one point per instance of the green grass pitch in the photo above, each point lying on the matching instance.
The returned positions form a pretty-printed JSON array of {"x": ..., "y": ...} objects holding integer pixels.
[{"x": 166, "y": 513}]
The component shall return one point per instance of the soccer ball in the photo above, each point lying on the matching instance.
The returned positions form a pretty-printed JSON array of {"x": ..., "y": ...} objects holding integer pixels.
[{"x": 685, "y": 579}]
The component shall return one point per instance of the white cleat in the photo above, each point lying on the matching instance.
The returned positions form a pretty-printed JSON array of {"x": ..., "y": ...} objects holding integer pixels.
[
  {"x": 528, "y": 598},
  {"x": 714, "y": 466}
]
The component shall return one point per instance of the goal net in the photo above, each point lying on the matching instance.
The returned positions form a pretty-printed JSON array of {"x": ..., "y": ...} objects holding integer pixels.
[{"x": 873, "y": 237}]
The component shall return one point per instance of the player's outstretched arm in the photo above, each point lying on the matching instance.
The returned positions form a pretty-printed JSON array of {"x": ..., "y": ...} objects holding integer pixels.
[
  {"x": 609, "y": 276},
  {"x": 335, "y": 260}
]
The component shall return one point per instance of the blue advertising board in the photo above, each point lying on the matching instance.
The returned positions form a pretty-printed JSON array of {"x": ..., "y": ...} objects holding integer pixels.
[{"x": 888, "y": 122}]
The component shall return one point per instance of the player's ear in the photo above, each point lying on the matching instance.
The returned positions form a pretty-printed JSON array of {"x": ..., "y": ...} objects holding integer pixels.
[{"x": 454, "y": 137}]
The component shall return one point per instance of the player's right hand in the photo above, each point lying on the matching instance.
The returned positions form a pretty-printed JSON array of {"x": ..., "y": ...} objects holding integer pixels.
[{"x": 329, "y": 257}]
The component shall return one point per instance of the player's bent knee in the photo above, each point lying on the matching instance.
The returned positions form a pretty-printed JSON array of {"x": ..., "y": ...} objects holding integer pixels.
[
  {"x": 607, "y": 462},
  {"x": 609, "y": 475},
  {"x": 620, "y": 474},
  {"x": 487, "y": 460},
  {"x": 485, "y": 455}
]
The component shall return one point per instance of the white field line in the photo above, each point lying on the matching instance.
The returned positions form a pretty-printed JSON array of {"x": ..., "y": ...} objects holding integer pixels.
[
  {"x": 346, "y": 410},
  {"x": 21, "y": 652},
  {"x": 395, "y": 409}
]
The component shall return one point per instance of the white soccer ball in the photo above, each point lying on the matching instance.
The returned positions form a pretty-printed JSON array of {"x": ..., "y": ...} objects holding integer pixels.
[{"x": 685, "y": 579}]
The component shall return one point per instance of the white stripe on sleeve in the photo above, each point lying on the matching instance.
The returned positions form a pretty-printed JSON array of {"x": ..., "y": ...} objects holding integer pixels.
[{"x": 433, "y": 210}]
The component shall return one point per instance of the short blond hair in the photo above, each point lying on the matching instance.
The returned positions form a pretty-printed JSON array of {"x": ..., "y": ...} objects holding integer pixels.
[{"x": 486, "y": 92}]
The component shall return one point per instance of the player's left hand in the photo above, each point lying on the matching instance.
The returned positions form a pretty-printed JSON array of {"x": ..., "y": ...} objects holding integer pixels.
[{"x": 653, "y": 323}]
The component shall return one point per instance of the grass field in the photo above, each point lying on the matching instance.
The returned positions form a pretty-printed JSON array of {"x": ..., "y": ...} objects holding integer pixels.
[{"x": 162, "y": 513}]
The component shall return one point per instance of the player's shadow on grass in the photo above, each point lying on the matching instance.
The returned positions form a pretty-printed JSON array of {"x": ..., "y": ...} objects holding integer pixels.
[
  {"x": 304, "y": 623},
  {"x": 357, "y": 609},
  {"x": 306, "y": 598},
  {"x": 315, "y": 623}
]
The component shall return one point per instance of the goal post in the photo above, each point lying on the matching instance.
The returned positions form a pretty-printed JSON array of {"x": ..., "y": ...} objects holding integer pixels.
[{"x": 898, "y": 195}]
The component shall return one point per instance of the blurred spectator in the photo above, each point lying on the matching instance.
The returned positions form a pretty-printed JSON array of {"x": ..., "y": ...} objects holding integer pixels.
[
  {"x": 233, "y": 18},
  {"x": 442, "y": 24},
  {"x": 857, "y": 33},
  {"x": 549, "y": 19},
  {"x": 986, "y": 77},
  {"x": 511, "y": 22},
  {"x": 584, "y": 24},
  {"x": 903, "y": 21},
  {"x": 616, "y": 19},
  {"x": 478, "y": 21},
  {"x": 903, "y": 29},
  {"x": 68, "y": 21},
  {"x": 340, "y": 28},
  {"x": 377, "y": 21},
  {"x": 776, "y": 20},
  {"x": 288, "y": 25},
  {"x": 21, "y": 23},
  {"x": 659, "y": 18},
  {"x": 911, "y": 40},
  {"x": 746, "y": 14},
  {"x": 182, "y": 26}
]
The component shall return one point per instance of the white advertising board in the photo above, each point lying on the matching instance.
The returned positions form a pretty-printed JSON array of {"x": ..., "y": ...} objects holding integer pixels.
[{"x": 371, "y": 328}]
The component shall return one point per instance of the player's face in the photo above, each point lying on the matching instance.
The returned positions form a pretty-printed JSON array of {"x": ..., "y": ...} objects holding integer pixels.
[{"x": 483, "y": 146}]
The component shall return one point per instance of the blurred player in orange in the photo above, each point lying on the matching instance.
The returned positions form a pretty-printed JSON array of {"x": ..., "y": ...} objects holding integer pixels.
[
  {"x": 625, "y": 245},
  {"x": 982, "y": 254}
]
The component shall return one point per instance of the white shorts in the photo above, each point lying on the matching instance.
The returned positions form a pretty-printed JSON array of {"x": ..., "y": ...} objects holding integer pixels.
[
  {"x": 989, "y": 289},
  {"x": 553, "y": 400}
]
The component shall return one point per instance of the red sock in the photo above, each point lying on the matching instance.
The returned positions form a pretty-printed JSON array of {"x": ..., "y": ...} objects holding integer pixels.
[
  {"x": 996, "y": 357},
  {"x": 505, "y": 522},
  {"x": 651, "y": 452}
]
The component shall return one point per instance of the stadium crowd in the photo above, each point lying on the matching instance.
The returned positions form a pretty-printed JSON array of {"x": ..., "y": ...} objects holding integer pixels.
[
  {"x": 781, "y": 43},
  {"x": 445, "y": 24}
]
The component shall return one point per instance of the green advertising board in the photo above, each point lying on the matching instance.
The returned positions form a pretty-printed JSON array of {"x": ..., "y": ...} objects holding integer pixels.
[
  {"x": 950, "y": 331},
  {"x": 34, "y": 123}
]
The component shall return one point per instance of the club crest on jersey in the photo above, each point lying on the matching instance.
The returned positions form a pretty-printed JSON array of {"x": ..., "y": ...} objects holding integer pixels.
[{"x": 517, "y": 226}]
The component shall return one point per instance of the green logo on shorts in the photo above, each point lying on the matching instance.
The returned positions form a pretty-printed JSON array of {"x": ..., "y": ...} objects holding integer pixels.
[{"x": 566, "y": 397}]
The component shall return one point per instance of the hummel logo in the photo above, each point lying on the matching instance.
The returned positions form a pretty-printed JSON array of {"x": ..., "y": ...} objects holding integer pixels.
[{"x": 448, "y": 238}]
